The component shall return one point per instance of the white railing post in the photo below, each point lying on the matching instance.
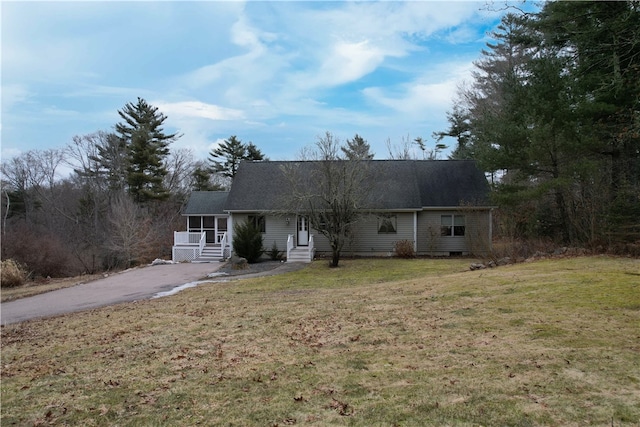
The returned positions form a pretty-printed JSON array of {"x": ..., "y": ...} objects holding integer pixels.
[
  {"x": 289, "y": 245},
  {"x": 203, "y": 242},
  {"x": 312, "y": 248},
  {"x": 223, "y": 244}
]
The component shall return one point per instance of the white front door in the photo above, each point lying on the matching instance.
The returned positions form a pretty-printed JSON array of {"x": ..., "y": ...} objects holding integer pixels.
[{"x": 303, "y": 231}]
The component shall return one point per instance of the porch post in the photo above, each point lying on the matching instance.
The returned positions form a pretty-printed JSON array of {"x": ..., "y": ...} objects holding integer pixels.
[
  {"x": 415, "y": 231},
  {"x": 230, "y": 233}
]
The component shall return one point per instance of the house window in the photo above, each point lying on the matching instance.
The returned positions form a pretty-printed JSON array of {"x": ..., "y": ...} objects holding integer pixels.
[
  {"x": 208, "y": 222},
  {"x": 195, "y": 223},
  {"x": 387, "y": 224},
  {"x": 324, "y": 222},
  {"x": 452, "y": 225},
  {"x": 258, "y": 221}
]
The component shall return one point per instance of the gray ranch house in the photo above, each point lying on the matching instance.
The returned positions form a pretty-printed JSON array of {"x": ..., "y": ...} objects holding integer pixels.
[{"x": 440, "y": 206}]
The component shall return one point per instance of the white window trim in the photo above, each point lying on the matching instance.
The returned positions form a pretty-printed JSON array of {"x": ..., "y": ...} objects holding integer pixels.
[{"x": 453, "y": 225}]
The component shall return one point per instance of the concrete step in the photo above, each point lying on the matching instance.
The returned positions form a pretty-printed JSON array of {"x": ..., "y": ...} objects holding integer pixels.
[
  {"x": 210, "y": 253},
  {"x": 299, "y": 255}
]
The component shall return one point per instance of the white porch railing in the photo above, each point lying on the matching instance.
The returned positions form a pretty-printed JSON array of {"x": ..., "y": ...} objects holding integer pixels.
[
  {"x": 289, "y": 245},
  {"x": 223, "y": 243},
  {"x": 187, "y": 246},
  {"x": 302, "y": 253},
  {"x": 187, "y": 238},
  {"x": 312, "y": 248}
]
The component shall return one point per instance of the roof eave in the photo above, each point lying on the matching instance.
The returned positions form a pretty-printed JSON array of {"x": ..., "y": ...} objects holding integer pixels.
[{"x": 461, "y": 208}]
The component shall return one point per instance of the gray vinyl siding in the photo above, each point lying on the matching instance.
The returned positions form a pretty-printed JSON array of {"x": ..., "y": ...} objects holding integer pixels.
[
  {"x": 320, "y": 242},
  {"x": 366, "y": 238},
  {"x": 276, "y": 229},
  {"x": 475, "y": 241}
]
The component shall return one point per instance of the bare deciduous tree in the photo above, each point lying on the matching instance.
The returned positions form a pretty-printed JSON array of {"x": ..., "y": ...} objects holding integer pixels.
[
  {"x": 415, "y": 149},
  {"x": 330, "y": 190},
  {"x": 131, "y": 234},
  {"x": 180, "y": 166}
]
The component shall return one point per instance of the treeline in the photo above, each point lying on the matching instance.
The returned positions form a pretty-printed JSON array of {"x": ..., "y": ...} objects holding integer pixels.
[
  {"x": 119, "y": 205},
  {"x": 553, "y": 117}
]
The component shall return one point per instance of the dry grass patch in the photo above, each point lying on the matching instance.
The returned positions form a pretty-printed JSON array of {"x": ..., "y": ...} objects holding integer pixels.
[
  {"x": 11, "y": 274},
  {"x": 42, "y": 286},
  {"x": 384, "y": 342}
]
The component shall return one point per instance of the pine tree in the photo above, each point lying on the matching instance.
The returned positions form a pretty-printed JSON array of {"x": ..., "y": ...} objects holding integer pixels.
[
  {"x": 110, "y": 162},
  {"x": 147, "y": 148},
  {"x": 553, "y": 114},
  {"x": 253, "y": 153},
  {"x": 202, "y": 180},
  {"x": 227, "y": 157},
  {"x": 357, "y": 149}
]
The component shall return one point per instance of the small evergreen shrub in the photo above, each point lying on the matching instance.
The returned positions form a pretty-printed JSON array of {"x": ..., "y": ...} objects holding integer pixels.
[
  {"x": 12, "y": 274},
  {"x": 274, "y": 253},
  {"x": 404, "y": 249},
  {"x": 247, "y": 241}
]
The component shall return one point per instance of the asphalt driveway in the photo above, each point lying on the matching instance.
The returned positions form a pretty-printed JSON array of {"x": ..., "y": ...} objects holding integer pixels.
[{"x": 130, "y": 285}]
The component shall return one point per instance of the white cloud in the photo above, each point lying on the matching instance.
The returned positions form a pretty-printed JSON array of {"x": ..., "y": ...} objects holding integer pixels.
[
  {"x": 13, "y": 94},
  {"x": 186, "y": 109},
  {"x": 8, "y": 153},
  {"x": 268, "y": 71},
  {"x": 348, "y": 62},
  {"x": 216, "y": 144},
  {"x": 244, "y": 34},
  {"x": 434, "y": 90},
  {"x": 54, "y": 111},
  {"x": 93, "y": 90}
]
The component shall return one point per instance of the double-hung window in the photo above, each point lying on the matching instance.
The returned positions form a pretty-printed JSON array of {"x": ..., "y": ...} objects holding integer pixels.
[
  {"x": 452, "y": 225},
  {"x": 258, "y": 222},
  {"x": 387, "y": 224}
]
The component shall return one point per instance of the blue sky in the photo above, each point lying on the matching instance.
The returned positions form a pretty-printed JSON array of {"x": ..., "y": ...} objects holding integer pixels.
[{"x": 275, "y": 73}]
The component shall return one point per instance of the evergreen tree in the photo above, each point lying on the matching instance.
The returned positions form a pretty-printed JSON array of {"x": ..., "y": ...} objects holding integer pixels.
[
  {"x": 226, "y": 158},
  {"x": 460, "y": 129},
  {"x": 248, "y": 241},
  {"x": 147, "y": 148},
  {"x": 357, "y": 149},
  {"x": 253, "y": 153},
  {"x": 603, "y": 39},
  {"x": 109, "y": 162},
  {"x": 553, "y": 114},
  {"x": 202, "y": 180}
]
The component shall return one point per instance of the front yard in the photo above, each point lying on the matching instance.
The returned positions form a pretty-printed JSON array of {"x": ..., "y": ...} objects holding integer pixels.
[{"x": 374, "y": 342}]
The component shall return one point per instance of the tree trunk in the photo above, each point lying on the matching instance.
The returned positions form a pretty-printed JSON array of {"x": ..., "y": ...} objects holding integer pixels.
[{"x": 335, "y": 258}]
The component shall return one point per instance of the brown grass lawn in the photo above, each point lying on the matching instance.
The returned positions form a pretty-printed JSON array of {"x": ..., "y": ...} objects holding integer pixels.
[{"x": 373, "y": 343}]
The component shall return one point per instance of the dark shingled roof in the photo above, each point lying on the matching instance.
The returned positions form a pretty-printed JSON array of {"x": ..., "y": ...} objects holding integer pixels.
[
  {"x": 398, "y": 184},
  {"x": 206, "y": 203}
]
